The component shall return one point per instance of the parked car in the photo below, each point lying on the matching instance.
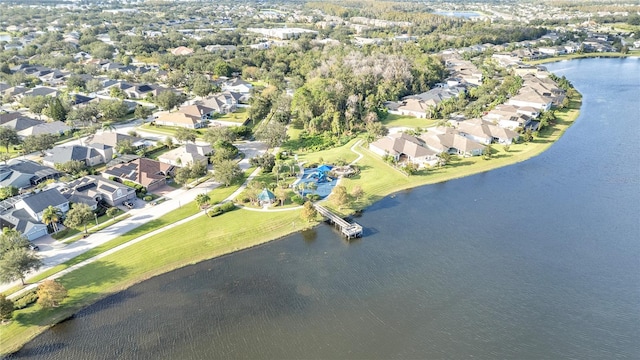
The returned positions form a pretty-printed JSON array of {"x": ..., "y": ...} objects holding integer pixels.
[
  {"x": 33, "y": 247},
  {"x": 128, "y": 204}
]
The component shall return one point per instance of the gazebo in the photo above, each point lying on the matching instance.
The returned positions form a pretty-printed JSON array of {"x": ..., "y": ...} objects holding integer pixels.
[{"x": 266, "y": 197}]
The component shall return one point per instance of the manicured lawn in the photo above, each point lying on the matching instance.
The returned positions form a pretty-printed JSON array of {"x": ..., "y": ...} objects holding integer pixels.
[
  {"x": 239, "y": 116},
  {"x": 330, "y": 156},
  {"x": 393, "y": 120}
]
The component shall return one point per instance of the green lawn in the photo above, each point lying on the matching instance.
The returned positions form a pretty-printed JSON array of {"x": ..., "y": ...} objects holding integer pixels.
[
  {"x": 239, "y": 116},
  {"x": 393, "y": 120}
]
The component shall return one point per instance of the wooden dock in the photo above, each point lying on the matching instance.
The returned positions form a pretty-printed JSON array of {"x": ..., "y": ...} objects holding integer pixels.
[{"x": 350, "y": 230}]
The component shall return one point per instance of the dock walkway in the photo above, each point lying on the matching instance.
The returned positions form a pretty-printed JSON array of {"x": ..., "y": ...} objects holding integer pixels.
[{"x": 350, "y": 230}]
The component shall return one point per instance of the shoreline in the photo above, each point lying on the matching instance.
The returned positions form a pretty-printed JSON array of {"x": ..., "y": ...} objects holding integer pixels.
[
  {"x": 633, "y": 53},
  {"x": 277, "y": 225}
]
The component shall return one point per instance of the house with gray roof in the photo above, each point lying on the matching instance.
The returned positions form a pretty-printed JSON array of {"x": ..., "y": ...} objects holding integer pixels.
[
  {"x": 404, "y": 147},
  {"x": 23, "y": 174},
  {"x": 96, "y": 189},
  {"x": 21, "y": 221},
  {"x": 93, "y": 154},
  {"x": 36, "y": 203}
]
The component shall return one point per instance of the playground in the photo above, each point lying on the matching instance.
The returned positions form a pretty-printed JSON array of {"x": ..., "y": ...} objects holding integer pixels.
[{"x": 321, "y": 179}]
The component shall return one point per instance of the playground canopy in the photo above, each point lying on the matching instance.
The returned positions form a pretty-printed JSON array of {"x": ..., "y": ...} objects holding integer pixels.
[{"x": 324, "y": 168}]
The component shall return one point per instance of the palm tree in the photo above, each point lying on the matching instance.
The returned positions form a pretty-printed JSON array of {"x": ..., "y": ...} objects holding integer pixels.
[
  {"x": 312, "y": 186},
  {"x": 108, "y": 125},
  {"x": 51, "y": 216},
  {"x": 202, "y": 200}
]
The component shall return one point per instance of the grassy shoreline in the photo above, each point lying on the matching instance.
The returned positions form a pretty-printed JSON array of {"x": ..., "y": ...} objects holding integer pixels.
[
  {"x": 583, "y": 56},
  {"x": 206, "y": 238}
]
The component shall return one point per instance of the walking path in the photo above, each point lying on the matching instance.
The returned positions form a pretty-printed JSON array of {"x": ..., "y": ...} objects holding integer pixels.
[{"x": 140, "y": 217}]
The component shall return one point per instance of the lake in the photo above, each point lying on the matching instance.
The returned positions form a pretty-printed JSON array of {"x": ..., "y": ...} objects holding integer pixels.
[
  {"x": 460, "y": 14},
  {"x": 539, "y": 260}
]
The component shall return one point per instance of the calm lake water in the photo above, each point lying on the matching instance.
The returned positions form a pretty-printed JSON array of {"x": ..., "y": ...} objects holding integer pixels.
[
  {"x": 460, "y": 14},
  {"x": 539, "y": 260}
]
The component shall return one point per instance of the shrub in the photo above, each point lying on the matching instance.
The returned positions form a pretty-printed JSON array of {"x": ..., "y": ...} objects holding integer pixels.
[
  {"x": 297, "y": 199},
  {"x": 25, "y": 300},
  {"x": 313, "y": 197},
  {"x": 228, "y": 206},
  {"x": 215, "y": 211},
  {"x": 147, "y": 198}
]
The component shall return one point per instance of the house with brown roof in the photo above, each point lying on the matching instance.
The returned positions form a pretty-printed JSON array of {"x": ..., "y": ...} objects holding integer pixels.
[
  {"x": 190, "y": 116},
  {"x": 149, "y": 173},
  {"x": 530, "y": 97},
  {"x": 444, "y": 139},
  {"x": 404, "y": 147},
  {"x": 182, "y": 50},
  {"x": 485, "y": 132}
]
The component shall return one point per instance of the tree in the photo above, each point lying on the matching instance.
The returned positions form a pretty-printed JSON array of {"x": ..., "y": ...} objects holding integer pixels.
[
  {"x": 51, "y": 216},
  {"x": 486, "y": 152},
  {"x": 168, "y": 142},
  {"x": 267, "y": 162},
  {"x": 40, "y": 142},
  {"x": 51, "y": 293},
  {"x": 357, "y": 192},
  {"x": 112, "y": 212},
  {"x": 35, "y": 104},
  {"x": 168, "y": 100},
  {"x": 142, "y": 112},
  {"x": 125, "y": 147},
  {"x": 8, "y": 137},
  {"x": 186, "y": 135},
  {"x": 112, "y": 110},
  {"x": 56, "y": 110},
  {"x": 339, "y": 196},
  {"x": 8, "y": 191},
  {"x": 189, "y": 171},
  {"x": 202, "y": 200},
  {"x": 219, "y": 133},
  {"x": 445, "y": 157},
  {"x": 76, "y": 83},
  {"x": 201, "y": 86},
  {"x": 4, "y": 157},
  {"x": 16, "y": 263},
  {"x": 226, "y": 172},
  {"x": 73, "y": 167},
  {"x": 274, "y": 133},
  {"x": 108, "y": 126},
  {"x": 6, "y": 308},
  {"x": 308, "y": 213},
  {"x": 80, "y": 214}
]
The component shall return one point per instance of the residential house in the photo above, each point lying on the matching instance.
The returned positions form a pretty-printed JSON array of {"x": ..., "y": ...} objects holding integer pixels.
[
  {"x": 23, "y": 174},
  {"x": 512, "y": 117},
  {"x": 182, "y": 50},
  {"x": 190, "y": 116},
  {"x": 237, "y": 85},
  {"x": 442, "y": 139},
  {"x": 416, "y": 107},
  {"x": 530, "y": 97},
  {"x": 146, "y": 172},
  {"x": 36, "y": 203},
  {"x": 94, "y": 188},
  {"x": 21, "y": 221},
  {"x": 187, "y": 154},
  {"x": 54, "y": 128},
  {"x": 41, "y": 91},
  {"x": 485, "y": 132},
  {"x": 404, "y": 147},
  {"x": 112, "y": 139},
  {"x": 91, "y": 155}
]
